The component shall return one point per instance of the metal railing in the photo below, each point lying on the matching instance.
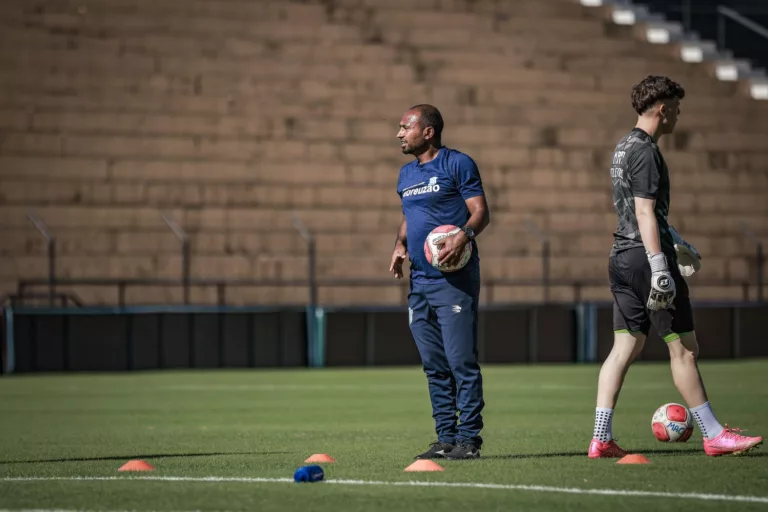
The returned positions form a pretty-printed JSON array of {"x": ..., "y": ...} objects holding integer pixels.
[
  {"x": 686, "y": 8},
  {"x": 60, "y": 299},
  {"x": 724, "y": 12},
  {"x": 28, "y": 288},
  {"x": 545, "y": 256},
  {"x": 51, "y": 248},
  {"x": 738, "y": 28},
  {"x": 311, "y": 259},
  {"x": 759, "y": 259},
  {"x": 186, "y": 255}
]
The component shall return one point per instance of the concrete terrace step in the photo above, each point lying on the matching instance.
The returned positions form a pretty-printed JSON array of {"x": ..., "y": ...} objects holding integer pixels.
[
  {"x": 148, "y": 9},
  {"x": 334, "y": 266},
  {"x": 252, "y": 31},
  {"x": 196, "y": 75},
  {"x": 508, "y": 166},
  {"x": 131, "y": 172},
  {"x": 283, "y": 196},
  {"x": 497, "y": 240},
  {"x": 162, "y": 267},
  {"x": 343, "y": 220},
  {"x": 280, "y": 129},
  {"x": 130, "y": 182},
  {"x": 206, "y": 75},
  {"x": 120, "y": 134},
  {"x": 351, "y": 98},
  {"x": 264, "y": 43},
  {"x": 634, "y": 66},
  {"x": 193, "y": 148},
  {"x": 115, "y": 26},
  {"x": 518, "y": 25},
  {"x": 584, "y": 80},
  {"x": 529, "y": 8},
  {"x": 287, "y": 124},
  {"x": 163, "y": 53},
  {"x": 302, "y": 195},
  {"x": 280, "y": 121},
  {"x": 225, "y": 48},
  {"x": 467, "y": 40},
  {"x": 690, "y": 173},
  {"x": 298, "y": 12},
  {"x": 459, "y": 105},
  {"x": 330, "y": 55},
  {"x": 231, "y": 8},
  {"x": 187, "y": 71},
  {"x": 338, "y": 220}
]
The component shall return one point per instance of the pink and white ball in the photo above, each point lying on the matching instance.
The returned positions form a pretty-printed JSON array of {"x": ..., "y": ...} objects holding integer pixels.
[
  {"x": 431, "y": 250},
  {"x": 672, "y": 423}
]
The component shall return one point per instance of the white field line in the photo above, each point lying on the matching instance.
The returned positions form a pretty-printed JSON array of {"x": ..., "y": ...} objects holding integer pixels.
[
  {"x": 412, "y": 483},
  {"x": 381, "y": 387},
  {"x": 304, "y": 388},
  {"x": 81, "y": 510}
]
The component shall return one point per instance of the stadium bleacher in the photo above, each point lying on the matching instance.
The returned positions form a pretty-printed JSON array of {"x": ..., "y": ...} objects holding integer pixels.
[{"x": 231, "y": 117}]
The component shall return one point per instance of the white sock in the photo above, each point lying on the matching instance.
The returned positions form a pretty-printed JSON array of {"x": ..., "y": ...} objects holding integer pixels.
[
  {"x": 603, "y": 424},
  {"x": 706, "y": 421}
]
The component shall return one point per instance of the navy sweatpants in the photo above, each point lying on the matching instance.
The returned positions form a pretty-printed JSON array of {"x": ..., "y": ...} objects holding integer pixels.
[{"x": 443, "y": 320}]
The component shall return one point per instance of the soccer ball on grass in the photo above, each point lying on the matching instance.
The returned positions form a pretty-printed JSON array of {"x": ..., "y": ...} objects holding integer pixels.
[{"x": 672, "y": 423}]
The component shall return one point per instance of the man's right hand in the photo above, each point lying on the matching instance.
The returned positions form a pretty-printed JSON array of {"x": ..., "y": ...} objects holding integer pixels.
[
  {"x": 398, "y": 257},
  {"x": 662, "y": 285}
]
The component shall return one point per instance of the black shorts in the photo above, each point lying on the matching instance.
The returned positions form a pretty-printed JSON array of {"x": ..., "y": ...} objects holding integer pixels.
[{"x": 630, "y": 275}]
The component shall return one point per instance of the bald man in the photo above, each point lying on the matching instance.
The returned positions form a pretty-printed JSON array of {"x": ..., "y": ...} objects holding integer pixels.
[{"x": 443, "y": 186}]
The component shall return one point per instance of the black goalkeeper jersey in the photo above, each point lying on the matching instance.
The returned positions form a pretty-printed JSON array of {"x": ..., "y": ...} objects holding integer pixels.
[{"x": 639, "y": 170}]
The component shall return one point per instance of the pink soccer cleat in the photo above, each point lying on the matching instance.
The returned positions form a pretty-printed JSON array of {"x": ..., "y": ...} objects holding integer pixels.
[
  {"x": 729, "y": 442},
  {"x": 605, "y": 450}
]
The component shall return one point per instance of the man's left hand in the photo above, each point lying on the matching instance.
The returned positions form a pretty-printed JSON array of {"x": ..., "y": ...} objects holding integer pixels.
[
  {"x": 451, "y": 249},
  {"x": 688, "y": 258}
]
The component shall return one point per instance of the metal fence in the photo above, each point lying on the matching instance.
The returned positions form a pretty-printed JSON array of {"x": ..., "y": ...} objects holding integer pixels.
[
  {"x": 30, "y": 291},
  {"x": 738, "y": 26}
]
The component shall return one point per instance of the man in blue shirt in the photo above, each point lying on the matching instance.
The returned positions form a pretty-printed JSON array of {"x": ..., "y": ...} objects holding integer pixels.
[{"x": 443, "y": 186}]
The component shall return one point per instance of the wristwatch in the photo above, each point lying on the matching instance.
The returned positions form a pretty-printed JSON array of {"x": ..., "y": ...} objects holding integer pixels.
[{"x": 469, "y": 232}]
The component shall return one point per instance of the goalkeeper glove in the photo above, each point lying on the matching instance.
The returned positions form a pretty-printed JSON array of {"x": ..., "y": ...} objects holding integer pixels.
[
  {"x": 662, "y": 285},
  {"x": 688, "y": 258}
]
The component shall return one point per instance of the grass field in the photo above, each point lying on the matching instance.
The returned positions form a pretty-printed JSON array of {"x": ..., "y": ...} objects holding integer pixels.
[{"x": 234, "y": 436}]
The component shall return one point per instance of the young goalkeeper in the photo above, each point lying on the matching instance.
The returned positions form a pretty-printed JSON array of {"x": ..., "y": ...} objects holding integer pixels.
[{"x": 646, "y": 268}]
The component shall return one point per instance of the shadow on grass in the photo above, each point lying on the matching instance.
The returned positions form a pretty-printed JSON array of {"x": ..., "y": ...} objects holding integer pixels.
[
  {"x": 583, "y": 453},
  {"x": 138, "y": 456}
]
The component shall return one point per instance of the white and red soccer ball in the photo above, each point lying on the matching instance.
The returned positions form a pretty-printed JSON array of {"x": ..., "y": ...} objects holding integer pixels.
[
  {"x": 431, "y": 250},
  {"x": 672, "y": 423}
]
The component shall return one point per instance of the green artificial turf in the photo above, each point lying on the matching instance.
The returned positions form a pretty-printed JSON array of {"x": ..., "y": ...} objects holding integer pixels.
[{"x": 263, "y": 423}]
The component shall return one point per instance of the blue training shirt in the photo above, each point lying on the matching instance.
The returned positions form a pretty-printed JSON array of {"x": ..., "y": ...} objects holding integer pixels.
[{"x": 433, "y": 195}]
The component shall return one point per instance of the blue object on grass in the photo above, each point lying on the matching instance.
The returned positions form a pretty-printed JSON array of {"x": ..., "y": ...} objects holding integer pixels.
[{"x": 309, "y": 474}]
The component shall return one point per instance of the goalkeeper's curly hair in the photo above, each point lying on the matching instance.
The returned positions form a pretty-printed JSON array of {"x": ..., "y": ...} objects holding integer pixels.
[{"x": 653, "y": 89}]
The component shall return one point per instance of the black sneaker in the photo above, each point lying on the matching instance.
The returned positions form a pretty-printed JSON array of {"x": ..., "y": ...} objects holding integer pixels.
[
  {"x": 463, "y": 451},
  {"x": 437, "y": 450}
]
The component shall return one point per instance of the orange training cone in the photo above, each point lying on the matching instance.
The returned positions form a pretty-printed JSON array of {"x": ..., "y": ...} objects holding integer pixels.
[
  {"x": 320, "y": 457},
  {"x": 634, "y": 458},
  {"x": 424, "y": 465},
  {"x": 136, "y": 465}
]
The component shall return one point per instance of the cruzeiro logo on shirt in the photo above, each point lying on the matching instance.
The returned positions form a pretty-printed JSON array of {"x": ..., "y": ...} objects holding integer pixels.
[{"x": 422, "y": 188}]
